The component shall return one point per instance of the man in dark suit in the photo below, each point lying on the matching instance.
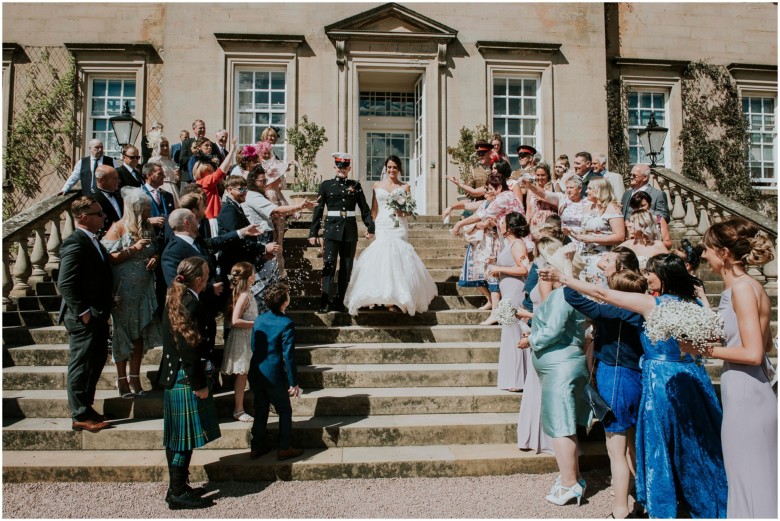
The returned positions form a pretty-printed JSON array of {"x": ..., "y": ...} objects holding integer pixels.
[
  {"x": 198, "y": 130},
  {"x": 162, "y": 206},
  {"x": 231, "y": 218},
  {"x": 340, "y": 195},
  {"x": 107, "y": 195},
  {"x": 128, "y": 170},
  {"x": 176, "y": 147},
  {"x": 85, "y": 168},
  {"x": 220, "y": 145},
  {"x": 639, "y": 181},
  {"x": 85, "y": 283}
]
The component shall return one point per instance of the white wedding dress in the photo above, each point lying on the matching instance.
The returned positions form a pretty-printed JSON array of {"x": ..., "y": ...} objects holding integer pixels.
[{"x": 389, "y": 271}]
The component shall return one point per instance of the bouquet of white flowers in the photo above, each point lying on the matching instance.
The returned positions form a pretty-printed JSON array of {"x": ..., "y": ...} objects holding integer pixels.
[
  {"x": 686, "y": 321},
  {"x": 505, "y": 313},
  {"x": 402, "y": 201}
]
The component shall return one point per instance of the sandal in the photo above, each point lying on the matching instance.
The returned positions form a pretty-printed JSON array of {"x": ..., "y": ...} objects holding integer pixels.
[
  {"x": 140, "y": 392},
  {"x": 129, "y": 395},
  {"x": 242, "y": 416}
]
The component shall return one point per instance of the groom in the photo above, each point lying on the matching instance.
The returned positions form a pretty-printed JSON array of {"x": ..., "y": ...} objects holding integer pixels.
[{"x": 340, "y": 195}]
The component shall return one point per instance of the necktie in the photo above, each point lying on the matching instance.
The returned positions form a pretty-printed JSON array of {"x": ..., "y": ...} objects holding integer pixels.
[
  {"x": 97, "y": 245},
  {"x": 155, "y": 196}
]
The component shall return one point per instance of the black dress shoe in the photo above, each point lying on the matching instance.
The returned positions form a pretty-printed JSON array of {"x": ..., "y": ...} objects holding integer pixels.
[
  {"x": 257, "y": 453},
  {"x": 187, "y": 500},
  {"x": 338, "y": 306},
  {"x": 197, "y": 491},
  {"x": 324, "y": 309}
]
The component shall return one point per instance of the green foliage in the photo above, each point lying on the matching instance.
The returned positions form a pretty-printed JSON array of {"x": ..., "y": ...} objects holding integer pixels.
[
  {"x": 307, "y": 138},
  {"x": 714, "y": 134},
  {"x": 38, "y": 141},
  {"x": 464, "y": 155},
  {"x": 617, "y": 113}
]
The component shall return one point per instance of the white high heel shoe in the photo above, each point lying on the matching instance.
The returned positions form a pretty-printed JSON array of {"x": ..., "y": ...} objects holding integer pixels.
[{"x": 563, "y": 495}]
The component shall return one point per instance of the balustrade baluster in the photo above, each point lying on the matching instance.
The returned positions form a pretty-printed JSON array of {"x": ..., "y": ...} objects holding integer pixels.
[
  {"x": 22, "y": 271},
  {"x": 770, "y": 273},
  {"x": 68, "y": 227},
  {"x": 7, "y": 280},
  {"x": 704, "y": 221},
  {"x": 53, "y": 246},
  {"x": 691, "y": 220},
  {"x": 39, "y": 256}
]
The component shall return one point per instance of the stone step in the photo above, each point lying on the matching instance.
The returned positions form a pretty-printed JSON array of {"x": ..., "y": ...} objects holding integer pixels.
[
  {"x": 439, "y": 303},
  {"x": 448, "y": 288},
  {"x": 353, "y": 401},
  {"x": 308, "y": 432},
  {"x": 430, "y": 230},
  {"x": 452, "y": 262},
  {"x": 307, "y": 275},
  {"x": 381, "y": 318},
  {"x": 315, "y": 464},
  {"x": 313, "y": 376},
  {"x": 434, "y": 242},
  {"x": 438, "y": 353},
  {"x": 424, "y": 252}
]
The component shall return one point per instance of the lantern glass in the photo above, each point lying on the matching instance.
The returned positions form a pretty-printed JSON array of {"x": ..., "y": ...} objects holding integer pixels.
[{"x": 126, "y": 128}]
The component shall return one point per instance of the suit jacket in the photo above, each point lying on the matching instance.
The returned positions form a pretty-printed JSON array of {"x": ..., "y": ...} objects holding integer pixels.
[
  {"x": 177, "y": 354},
  {"x": 85, "y": 280},
  {"x": 177, "y": 250},
  {"x": 215, "y": 151},
  {"x": 250, "y": 249},
  {"x": 659, "y": 205},
  {"x": 108, "y": 208},
  {"x": 340, "y": 195},
  {"x": 273, "y": 349},
  {"x": 166, "y": 203},
  {"x": 175, "y": 152},
  {"x": 126, "y": 178},
  {"x": 184, "y": 158}
]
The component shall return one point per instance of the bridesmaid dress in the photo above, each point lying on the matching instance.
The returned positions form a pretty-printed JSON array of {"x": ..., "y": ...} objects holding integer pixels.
[
  {"x": 749, "y": 431},
  {"x": 678, "y": 447},
  {"x": 512, "y": 362}
]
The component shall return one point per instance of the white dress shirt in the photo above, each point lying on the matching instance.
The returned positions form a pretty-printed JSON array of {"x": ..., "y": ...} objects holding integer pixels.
[{"x": 76, "y": 174}]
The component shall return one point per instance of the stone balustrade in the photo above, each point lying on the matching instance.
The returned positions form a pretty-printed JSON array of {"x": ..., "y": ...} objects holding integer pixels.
[
  {"x": 694, "y": 207},
  {"x": 29, "y": 257}
]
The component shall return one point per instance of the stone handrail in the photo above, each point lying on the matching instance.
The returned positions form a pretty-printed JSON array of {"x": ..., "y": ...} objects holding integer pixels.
[
  {"x": 694, "y": 207},
  {"x": 36, "y": 256}
]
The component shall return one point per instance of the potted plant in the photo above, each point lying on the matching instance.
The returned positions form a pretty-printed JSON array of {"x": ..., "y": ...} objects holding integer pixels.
[
  {"x": 463, "y": 155},
  {"x": 306, "y": 138}
]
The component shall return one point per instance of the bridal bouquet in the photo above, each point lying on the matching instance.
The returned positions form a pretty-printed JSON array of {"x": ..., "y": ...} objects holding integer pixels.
[
  {"x": 505, "y": 313},
  {"x": 402, "y": 201},
  {"x": 686, "y": 321}
]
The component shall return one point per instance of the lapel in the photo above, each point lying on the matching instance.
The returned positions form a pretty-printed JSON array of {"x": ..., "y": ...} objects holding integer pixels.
[{"x": 90, "y": 247}]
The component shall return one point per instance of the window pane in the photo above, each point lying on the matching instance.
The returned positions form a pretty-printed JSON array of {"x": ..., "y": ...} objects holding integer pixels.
[
  {"x": 244, "y": 80},
  {"x": 529, "y": 127},
  {"x": 261, "y": 100},
  {"x": 646, "y": 100},
  {"x": 261, "y": 118},
  {"x": 499, "y": 87},
  {"x": 499, "y": 106},
  {"x": 514, "y": 127},
  {"x": 113, "y": 106},
  {"x": 129, "y": 88},
  {"x": 529, "y": 88},
  {"x": 98, "y": 106},
  {"x": 515, "y": 87},
  {"x": 99, "y": 88},
  {"x": 101, "y": 124},
  {"x": 115, "y": 87},
  {"x": 658, "y": 100},
  {"x": 245, "y": 134},
  {"x": 499, "y": 125},
  {"x": 277, "y": 80},
  {"x": 277, "y": 99},
  {"x": 261, "y": 80},
  {"x": 633, "y": 100},
  {"x": 769, "y": 105},
  {"x": 277, "y": 118},
  {"x": 529, "y": 107},
  {"x": 245, "y": 119},
  {"x": 755, "y": 104},
  {"x": 514, "y": 106},
  {"x": 244, "y": 100}
]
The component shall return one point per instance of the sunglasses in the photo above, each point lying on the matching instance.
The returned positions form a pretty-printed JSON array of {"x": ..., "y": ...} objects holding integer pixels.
[
  {"x": 341, "y": 164},
  {"x": 241, "y": 190},
  {"x": 482, "y": 152},
  {"x": 99, "y": 212},
  {"x": 132, "y": 157}
]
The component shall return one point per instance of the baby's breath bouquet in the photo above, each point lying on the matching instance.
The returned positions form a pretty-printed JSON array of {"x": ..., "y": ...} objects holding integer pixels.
[
  {"x": 402, "y": 201},
  {"x": 686, "y": 321},
  {"x": 505, "y": 313}
]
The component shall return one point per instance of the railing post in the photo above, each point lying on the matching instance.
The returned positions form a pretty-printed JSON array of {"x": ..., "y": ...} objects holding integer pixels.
[
  {"x": 690, "y": 221},
  {"x": 22, "y": 271},
  {"x": 69, "y": 227},
  {"x": 770, "y": 272},
  {"x": 53, "y": 246},
  {"x": 678, "y": 212},
  {"x": 7, "y": 280},
  {"x": 39, "y": 256}
]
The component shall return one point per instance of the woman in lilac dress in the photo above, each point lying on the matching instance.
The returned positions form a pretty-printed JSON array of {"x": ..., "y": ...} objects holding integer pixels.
[{"x": 749, "y": 431}]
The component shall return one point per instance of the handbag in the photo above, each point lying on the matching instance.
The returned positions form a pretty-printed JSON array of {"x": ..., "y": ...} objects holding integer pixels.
[{"x": 598, "y": 405}]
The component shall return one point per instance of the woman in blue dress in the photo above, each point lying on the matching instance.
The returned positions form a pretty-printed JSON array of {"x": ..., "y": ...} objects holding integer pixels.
[{"x": 678, "y": 444}]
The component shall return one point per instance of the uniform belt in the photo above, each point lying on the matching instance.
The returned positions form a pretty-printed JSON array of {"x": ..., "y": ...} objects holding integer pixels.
[{"x": 341, "y": 213}]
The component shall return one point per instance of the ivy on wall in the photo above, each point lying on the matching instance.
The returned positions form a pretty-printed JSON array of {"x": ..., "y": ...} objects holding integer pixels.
[
  {"x": 714, "y": 134},
  {"x": 617, "y": 127},
  {"x": 40, "y": 137}
]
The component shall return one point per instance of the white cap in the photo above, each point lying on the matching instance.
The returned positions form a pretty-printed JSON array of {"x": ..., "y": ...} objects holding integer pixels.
[{"x": 342, "y": 157}]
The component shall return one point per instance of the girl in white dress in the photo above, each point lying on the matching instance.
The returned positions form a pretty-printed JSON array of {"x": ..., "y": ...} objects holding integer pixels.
[
  {"x": 389, "y": 272},
  {"x": 238, "y": 349}
]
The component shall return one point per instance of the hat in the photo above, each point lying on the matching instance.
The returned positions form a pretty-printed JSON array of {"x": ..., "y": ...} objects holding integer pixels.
[
  {"x": 342, "y": 157},
  {"x": 553, "y": 252},
  {"x": 526, "y": 149},
  {"x": 274, "y": 169},
  {"x": 483, "y": 145}
]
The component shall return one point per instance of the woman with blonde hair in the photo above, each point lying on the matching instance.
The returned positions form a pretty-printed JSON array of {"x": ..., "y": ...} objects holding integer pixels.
[
  {"x": 161, "y": 153},
  {"x": 643, "y": 236},
  {"x": 749, "y": 428},
  {"x": 242, "y": 311},
  {"x": 134, "y": 256},
  {"x": 189, "y": 413}
]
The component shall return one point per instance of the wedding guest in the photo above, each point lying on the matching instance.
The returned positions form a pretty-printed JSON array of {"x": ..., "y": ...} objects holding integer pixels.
[
  {"x": 556, "y": 340},
  {"x": 505, "y": 202},
  {"x": 561, "y": 173},
  {"x": 642, "y": 236},
  {"x": 246, "y": 160},
  {"x": 749, "y": 429},
  {"x": 161, "y": 154},
  {"x": 511, "y": 268},
  {"x": 273, "y": 374},
  {"x": 209, "y": 180},
  {"x": 243, "y": 312},
  {"x": 617, "y": 351},
  {"x": 134, "y": 257},
  {"x": 642, "y": 201},
  {"x": 675, "y": 463},
  {"x": 538, "y": 207},
  {"x": 189, "y": 413}
]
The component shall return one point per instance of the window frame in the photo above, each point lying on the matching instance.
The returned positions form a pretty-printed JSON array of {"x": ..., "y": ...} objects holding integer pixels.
[
  {"x": 510, "y": 150},
  {"x": 236, "y": 108},
  {"x": 114, "y": 153},
  {"x": 755, "y": 93}
]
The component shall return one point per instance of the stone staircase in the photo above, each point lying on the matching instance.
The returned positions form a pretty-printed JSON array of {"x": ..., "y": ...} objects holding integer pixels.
[{"x": 385, "y": 395}]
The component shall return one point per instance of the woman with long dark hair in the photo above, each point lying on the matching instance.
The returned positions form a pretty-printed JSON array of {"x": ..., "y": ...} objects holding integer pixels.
[{"x": 189, "y": 413}]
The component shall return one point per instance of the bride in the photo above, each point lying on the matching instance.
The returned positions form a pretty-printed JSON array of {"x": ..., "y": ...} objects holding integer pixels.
[{"x": 389, "y": 272}]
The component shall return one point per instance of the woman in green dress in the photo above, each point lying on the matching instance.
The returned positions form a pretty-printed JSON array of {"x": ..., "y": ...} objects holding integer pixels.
[{"x": 556, "y": 338}]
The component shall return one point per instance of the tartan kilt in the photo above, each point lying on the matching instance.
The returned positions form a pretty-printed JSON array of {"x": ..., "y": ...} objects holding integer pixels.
[{"x": 188, "y": 421}]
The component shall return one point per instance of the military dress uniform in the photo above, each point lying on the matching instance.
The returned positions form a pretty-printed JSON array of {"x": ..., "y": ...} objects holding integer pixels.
[{"x": 340, "y": 233}]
